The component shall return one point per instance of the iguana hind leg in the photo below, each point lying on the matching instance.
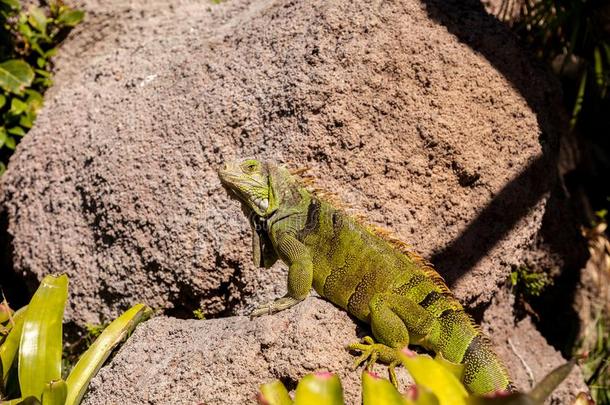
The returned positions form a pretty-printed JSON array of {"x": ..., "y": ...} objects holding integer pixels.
[{"x": 394, "y": 318}]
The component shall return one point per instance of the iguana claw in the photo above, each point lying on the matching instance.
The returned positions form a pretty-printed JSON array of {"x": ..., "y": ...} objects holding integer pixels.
[{"x": 371, "y": 352}]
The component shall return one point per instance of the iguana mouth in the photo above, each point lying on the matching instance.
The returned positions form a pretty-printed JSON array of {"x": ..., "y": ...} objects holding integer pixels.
[{"x": 225, "y": 179}]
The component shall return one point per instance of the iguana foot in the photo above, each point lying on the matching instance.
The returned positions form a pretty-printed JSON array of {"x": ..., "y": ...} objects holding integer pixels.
[
  {"x": 275, "y": 306},
  {"x": 373, "y": 352}
]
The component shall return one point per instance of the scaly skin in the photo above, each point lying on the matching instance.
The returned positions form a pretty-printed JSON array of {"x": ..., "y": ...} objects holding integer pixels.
[{"x": 376, "y": 280}]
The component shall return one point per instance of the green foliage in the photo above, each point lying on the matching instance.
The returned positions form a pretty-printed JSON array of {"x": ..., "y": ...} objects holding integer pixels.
[
  {"x": 574, "y": 36},
  {"x": 94, "y": 330},
  {"x": 529, "y": 282},
  {"x": 596, "y": 366},
  {"x": 199, "y": 314},
  {"x": 28, "y": 39},
  {"x": 31, "y": 348},
  {"x": 435, "y": 384}
]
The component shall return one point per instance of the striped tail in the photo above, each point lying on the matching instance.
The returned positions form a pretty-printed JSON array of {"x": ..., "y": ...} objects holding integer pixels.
[
  {"x": 483, "y": 370},
  {"x": 460, "y": 340}
]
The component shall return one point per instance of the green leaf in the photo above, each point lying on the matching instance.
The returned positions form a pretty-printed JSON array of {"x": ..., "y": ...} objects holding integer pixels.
[
  {"x": 24, "y": 29},
  {"x": 319, "y": 389},
  {"x": 274, "y": 393},
  {"x": 35, "y": 46},
  {"x": 43, "y": 73},
  {"x": 2, "y": 100},
  {"x": 430, "y": 374},
  {"x": 14, "y": 4},
  {"x": 34, "y": 97},
  {"x": 10, "y": 143},
  {"x": 41, "y": 346},
  {"x": 70, "y": 18},
  {"x": 15, "y": 76},
  {"x": 38, "y": 19},
  {"x": 580, "y": 97},
  {"x": 50, "y": 53},
  {"x": 545, "y": 387},
  {"x": 16, "y": 131},
  {"x": 8, "y": 349},
  {"x": 598, "y": 67},
  {"x": 91, "y": 361},
  {"x": 17, "y": 106},
  {"x": 455, "y": 368},
  {"x": 376, "y": 390},
  {"x": 43, "y": 82},
  {"x": 27, "y": 120},
  {"x": 3, "y": 136},
  {"x": 5, "y": 311},
  {"x": 54, "y": 393}
]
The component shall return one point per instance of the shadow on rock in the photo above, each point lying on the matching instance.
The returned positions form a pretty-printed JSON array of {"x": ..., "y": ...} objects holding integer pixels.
[{"x": 565, "y": 251}]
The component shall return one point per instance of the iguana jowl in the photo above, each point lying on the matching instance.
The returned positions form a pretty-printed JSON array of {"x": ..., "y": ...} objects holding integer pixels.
[{"x": 403, "y": 299}]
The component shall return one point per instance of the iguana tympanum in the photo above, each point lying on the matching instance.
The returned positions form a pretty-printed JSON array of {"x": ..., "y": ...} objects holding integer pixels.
[{"x": 371, "y": 276}]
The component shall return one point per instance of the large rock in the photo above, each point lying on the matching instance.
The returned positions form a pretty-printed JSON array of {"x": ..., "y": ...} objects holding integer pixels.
[
  {"x": 223, "y": 361},
  {"x": 116, "y": 183}
]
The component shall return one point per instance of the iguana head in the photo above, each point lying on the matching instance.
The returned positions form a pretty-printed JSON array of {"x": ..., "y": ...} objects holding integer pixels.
[{"x": 249, "y": 180}]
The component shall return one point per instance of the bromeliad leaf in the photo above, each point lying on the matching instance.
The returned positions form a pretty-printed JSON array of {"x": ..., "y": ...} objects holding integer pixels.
[
  {"x": 319, "y": 388},
  {"x": 91, "y": 361},
  {"x": 377, "y": 390},
  {"x": 274, "y": 393},
  {"x": 41, "y": 340},
  {"x": 10, "y": 346},
  {"x": 55, "y": 393},
  {"x": 430, "y": 374},
  {"x": 15, "y": 76}
]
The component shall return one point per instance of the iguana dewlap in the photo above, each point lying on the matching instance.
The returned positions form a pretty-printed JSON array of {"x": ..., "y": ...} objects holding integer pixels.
[{"x": 375, "y": 279}]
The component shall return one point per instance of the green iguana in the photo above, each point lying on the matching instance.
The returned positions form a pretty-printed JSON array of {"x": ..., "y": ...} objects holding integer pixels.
[{"x": 374, "y": 278}]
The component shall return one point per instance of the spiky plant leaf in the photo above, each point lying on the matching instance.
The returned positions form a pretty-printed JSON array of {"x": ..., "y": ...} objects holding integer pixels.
[
  {"x": 10, "y": 346},
  {"x": 41, "y": 339},
  {"x": 273, "y": 393},
  {"x": 376, "y": 390},
  {"x": 91, "y": 361},
  {"x": 319, "y": 389},
  {"x": 54, "y": 393}
]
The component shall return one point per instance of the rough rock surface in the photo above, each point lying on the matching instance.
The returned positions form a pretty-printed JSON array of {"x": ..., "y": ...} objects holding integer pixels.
[
  {"x": 223, "y": 361},
  {"x": 432, "y": 133}
]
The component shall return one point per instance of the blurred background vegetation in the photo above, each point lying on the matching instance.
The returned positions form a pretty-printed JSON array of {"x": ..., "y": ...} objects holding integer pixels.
[
  {"x": 573, "y": 38},
  {"x": 28, "y": 39}
]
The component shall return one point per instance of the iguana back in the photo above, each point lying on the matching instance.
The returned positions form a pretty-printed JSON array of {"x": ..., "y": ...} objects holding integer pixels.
[{"x": 370, "y": 275}]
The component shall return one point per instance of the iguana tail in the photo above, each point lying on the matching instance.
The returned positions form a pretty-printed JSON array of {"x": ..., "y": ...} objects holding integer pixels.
[
  {"x": 483, "y": 370},
  {"x": 460, "y": 340}
]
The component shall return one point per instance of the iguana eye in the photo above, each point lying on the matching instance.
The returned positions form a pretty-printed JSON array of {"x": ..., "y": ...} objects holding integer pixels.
[{"x": 249, "y": 167}]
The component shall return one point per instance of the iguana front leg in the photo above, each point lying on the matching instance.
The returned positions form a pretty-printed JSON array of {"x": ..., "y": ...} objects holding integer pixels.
[{"x": 300, "y": 275}]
